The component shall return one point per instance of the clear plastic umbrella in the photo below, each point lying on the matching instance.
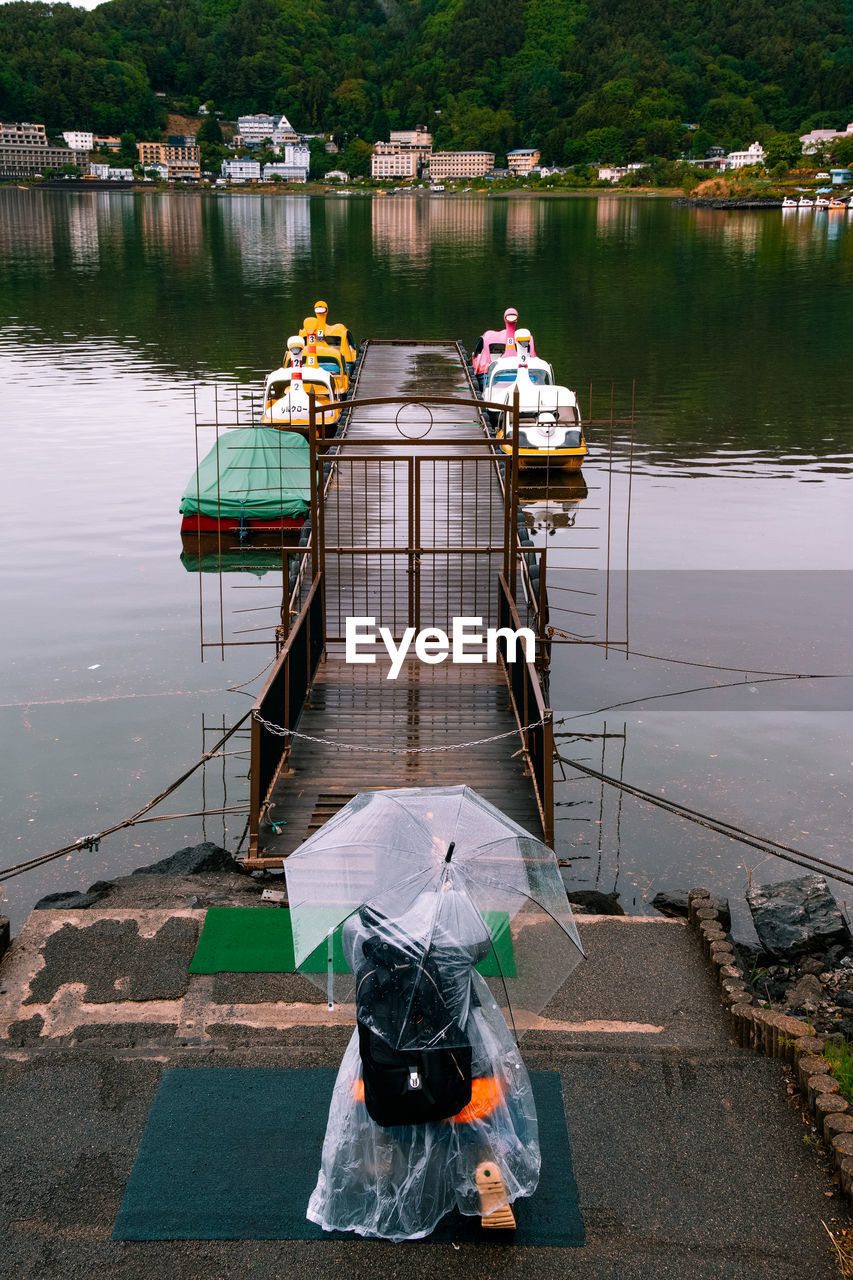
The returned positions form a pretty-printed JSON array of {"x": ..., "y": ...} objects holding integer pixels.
[{"x": 445, "y": 876}]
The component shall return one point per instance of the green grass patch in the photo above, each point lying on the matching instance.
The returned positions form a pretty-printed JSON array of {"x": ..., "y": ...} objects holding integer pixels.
[{"x": 839, "y": 1054}]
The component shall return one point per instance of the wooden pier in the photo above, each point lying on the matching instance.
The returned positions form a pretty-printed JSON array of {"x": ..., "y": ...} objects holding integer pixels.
[{"x": 413, "y": 523}]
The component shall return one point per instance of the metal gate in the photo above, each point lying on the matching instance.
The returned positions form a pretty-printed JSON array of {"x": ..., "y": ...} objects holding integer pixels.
[{"x": 411, "y": 540}]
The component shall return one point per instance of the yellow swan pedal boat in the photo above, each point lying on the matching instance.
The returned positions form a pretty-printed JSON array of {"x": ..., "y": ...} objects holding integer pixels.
[
  {"x": 286, "y": 403},
  {"x": 334, "y": 335}
]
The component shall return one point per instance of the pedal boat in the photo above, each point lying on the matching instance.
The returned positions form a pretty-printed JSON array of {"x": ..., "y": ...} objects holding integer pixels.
[
  {"x": 328, "y": 358},
  {"x": 334, "y": 335},
  {"x": 550, "y": 428},
  {"x": 286, "y": 400},
  {"x": 255, "y": 480}
]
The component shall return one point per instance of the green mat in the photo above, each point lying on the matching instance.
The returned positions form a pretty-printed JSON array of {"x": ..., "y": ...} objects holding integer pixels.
[
  {"x": 260, "y": 940},
  {"x": 233, "y": 1154}
]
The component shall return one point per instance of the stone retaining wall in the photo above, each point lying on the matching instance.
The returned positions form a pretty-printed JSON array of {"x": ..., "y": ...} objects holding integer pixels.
[{"x": 778, "y": 1036}]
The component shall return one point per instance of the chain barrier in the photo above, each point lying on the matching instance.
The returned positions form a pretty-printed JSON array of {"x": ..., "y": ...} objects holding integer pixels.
[{"x": 281, "y": 732}]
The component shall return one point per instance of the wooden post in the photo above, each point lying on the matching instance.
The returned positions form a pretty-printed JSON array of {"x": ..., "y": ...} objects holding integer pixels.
[
  {"x": 315, "y": 515},
  {"x": 513, "y": 532},
  {"x": 254, "y": 788},
  {"x": 542, "y": 602},
  {"x": 548, "y": 779}
]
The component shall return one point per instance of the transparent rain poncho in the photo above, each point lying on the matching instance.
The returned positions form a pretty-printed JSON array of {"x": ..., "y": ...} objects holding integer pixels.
[
  {"x": 444, "y": 881},
  {"x": 398, "y": 1182}
]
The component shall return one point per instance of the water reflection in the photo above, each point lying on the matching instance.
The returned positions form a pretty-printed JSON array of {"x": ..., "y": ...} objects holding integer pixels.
[
  {"x": 205, "y": 555},
  {"x": 400, "y": 226},
  {"x": 26, "y": 225},
  {"x": 732, "y": 325},
  {"x": 269, "y": 232},
  {"x": 616, "y": 215},
  {"x": 174, "y": 223},
  {"x": 413, "y": 226},
  {"x": 523, "y": 218},
  {"x": 555, "y": 506},
  {"x": 83, "y": 234},
  {"x": 588, "y": 811}
]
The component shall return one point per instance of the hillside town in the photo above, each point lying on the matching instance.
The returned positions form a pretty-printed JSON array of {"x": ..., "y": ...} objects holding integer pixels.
[{"x": 263, "y": 148}]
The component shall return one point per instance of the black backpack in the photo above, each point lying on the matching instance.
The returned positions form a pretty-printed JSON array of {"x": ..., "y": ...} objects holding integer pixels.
[{"x": 408, "y": 1086}]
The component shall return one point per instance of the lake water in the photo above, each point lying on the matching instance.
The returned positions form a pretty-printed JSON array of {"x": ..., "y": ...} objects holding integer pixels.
[{"x": 736, "y": 329}]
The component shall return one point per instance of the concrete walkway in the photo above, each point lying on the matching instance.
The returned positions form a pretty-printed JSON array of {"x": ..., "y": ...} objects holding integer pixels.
[{"x": 689, "y": 1156}]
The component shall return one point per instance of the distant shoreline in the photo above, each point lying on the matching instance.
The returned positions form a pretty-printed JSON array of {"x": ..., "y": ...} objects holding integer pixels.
[
  {"x": 323, "y": 189},
  {"x": 729, "y": 202}
]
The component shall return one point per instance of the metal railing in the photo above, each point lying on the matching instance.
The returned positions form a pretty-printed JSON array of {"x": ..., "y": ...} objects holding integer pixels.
[
  {"x": 530, "y": 707},
  {"x": 282, "y": 700}
]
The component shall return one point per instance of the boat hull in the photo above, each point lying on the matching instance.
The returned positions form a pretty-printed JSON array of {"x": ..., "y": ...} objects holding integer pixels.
[
  {"x": 201, "y": 525},
  {"x": 564, "y": 459}
]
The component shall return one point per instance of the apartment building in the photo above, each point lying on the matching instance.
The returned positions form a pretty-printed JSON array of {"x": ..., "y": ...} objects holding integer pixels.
[
  {"x": 80, "y": 139},
  {"x": 417, "y": 140},
  {"x": 18, "y": 133},
  {"x": 183, "y": 164},
  {"x": 85, "y": 140},
  {"x": 523, "y": 159},
  {"x": 253, "y": 131},
  {"x": 819, "y": 137},
  {"x": 460, "y": 164},
  {"x": 391, "y": 160},
  {"x": 25, "y": 151}
]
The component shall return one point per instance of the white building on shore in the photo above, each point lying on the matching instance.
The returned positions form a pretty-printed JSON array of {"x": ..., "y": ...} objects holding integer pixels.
[
  {"x": 294, "y": 167},
  {"x": 241, "y": 170},
  {"x": 754, "y": 154},
  {"x": 108, "y": 174},
  {"x": 818, "y": 137},
  {"x": 253, "y": 131}
]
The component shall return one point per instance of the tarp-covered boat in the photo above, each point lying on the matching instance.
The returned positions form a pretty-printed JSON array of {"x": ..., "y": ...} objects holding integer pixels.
[{"x": 254, "y": 478}]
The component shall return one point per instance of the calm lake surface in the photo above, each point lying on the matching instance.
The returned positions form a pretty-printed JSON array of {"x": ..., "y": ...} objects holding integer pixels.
[{"x": 737, "y": 330}]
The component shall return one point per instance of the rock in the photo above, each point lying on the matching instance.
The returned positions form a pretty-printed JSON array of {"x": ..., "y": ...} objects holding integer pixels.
[
  {"x": 599, "y": 904},
  {"x": 805, "y": 994},
  {"x": 811, "y": 964},
  {"x": 192, "y": 861},
  {"x": 673, "y": 902},
  {"x": 70, "y": 899},
  {"x": 796, "y": 917},
  {"x": 844, "y": 999}
]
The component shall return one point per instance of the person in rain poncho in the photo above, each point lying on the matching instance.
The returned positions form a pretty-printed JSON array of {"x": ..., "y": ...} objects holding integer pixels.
[{"x": 398, "y": 1182}]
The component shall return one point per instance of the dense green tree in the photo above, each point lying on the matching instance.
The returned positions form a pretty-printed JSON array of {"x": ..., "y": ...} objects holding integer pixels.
[
  {"x": 842, "y": 150},
  {"x": 783, "y": 149},
  {"x": 209, "y": 130},
  {"x": 581, "y": 79}
]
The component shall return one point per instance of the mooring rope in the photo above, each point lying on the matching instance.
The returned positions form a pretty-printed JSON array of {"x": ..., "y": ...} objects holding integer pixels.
[
  {"x": 92, "y": 841},
  {"x": 774, "y": 848},
  {"x": 557, "y": 633}
]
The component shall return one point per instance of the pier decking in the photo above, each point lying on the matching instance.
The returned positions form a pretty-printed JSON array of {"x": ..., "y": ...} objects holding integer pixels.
[{"x": 411, "y": 532}]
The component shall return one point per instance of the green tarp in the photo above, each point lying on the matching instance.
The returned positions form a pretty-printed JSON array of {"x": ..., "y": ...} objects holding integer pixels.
[{"x": 257, "y": 473}]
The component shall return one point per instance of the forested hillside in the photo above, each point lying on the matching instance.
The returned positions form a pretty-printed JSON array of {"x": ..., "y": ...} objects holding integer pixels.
[{"x": 582, "y": 79}]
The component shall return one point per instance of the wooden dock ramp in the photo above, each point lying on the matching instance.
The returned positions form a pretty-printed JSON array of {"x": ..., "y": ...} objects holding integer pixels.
[{"x": 413, "y": 524}]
